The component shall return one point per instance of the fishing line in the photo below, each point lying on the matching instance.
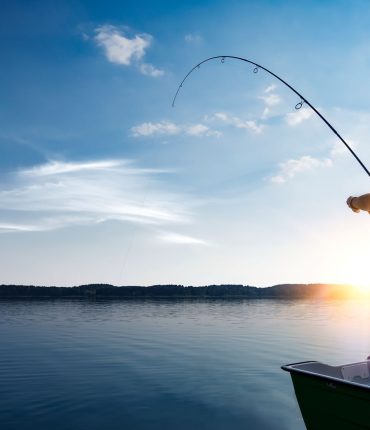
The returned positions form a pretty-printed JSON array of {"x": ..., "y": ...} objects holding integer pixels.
[{"x": 298, "y": 106}]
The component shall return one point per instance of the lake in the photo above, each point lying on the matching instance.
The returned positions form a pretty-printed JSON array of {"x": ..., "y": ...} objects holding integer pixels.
[{"x": 167, "y": 364}]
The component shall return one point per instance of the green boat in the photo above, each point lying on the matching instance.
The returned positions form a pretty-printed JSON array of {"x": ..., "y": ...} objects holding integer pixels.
[{"x": 332, "y": 397}]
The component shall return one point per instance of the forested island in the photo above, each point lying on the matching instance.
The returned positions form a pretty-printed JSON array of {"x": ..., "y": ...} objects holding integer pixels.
[{"x": 106, "y": 291}]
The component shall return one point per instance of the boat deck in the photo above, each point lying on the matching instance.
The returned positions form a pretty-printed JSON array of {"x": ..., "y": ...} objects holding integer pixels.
[
  {"x": 332, "y": 397},
  {"x": 353, "y": 373}
]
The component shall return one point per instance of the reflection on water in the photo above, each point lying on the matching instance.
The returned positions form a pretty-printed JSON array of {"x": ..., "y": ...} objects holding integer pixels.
[{"x": 167, "y": 364}]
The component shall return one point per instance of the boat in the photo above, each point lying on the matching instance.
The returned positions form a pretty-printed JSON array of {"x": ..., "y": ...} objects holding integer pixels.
[{"x": 332, "y": 397}]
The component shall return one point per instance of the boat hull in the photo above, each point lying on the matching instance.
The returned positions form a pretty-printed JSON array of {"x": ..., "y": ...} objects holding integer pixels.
[{"x": 331, "y": 404}]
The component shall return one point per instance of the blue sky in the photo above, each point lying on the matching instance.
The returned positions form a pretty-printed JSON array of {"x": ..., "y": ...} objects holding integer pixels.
[{"x": 103, "y": 181}]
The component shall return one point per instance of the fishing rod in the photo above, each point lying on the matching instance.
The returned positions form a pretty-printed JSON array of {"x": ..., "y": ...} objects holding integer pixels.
[{"x": 302, "y": 101}]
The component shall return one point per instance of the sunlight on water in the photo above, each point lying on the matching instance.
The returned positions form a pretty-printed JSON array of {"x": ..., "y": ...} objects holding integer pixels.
[{"x": 167, "y": 364}]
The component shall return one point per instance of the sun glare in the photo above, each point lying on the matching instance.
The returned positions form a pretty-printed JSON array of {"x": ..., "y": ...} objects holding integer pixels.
[
  {"x": 359, "y": 281},
  {"x": 346, "y": 256},
  {"x": 357, "y": 276}
]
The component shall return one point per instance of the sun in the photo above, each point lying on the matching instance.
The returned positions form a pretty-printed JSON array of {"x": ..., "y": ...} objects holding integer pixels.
[
  {"x": 345, "y": 253},
  {"x": 356, "y": 271}
]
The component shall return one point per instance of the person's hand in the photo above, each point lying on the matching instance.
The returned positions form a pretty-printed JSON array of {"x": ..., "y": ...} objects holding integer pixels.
[{"x": 350, "y": 204}]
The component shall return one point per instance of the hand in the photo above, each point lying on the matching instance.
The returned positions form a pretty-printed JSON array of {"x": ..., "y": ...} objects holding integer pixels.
[{"x": 350, "y": 204}]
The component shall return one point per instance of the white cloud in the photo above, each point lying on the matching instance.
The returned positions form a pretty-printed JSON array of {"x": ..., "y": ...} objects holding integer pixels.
[
  {"x": 150, "y": 128},
  {"x": 58, "y": 167},
  {"x": 181, "y": 239},
  {"x": 9, "y": 227},
  {"x": 270, "y": 88},
  {"x": 197, "y": 129},
  {"x": 252, "y": 125},
  {"x": 256, "y": 125},
  {"x": 222, "y": 116},
  {"x": 265, "y": 113},
  {"x": 295, "y": 118},
  {"x": 123, "y": 50},
  {"x": 292, "y": 167},
  {"x": 237, "y": 122},
  {"x": 120, "y": 49},
  {"x": 201, "y": 130},
  {"x": 57, "y": 194},
  {"x": 271, "y": 99},
  {"x": 339, "y": 149},
  {"x": 170, "y": 128},
  {"x": 193, "y": 38},
  {"x": 149, "y": 70}
]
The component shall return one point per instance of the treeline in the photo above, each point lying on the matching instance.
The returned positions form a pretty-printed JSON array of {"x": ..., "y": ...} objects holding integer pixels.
[{"x": 294, "y": 291}]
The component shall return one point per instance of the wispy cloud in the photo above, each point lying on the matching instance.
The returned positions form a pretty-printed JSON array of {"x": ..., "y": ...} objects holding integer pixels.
[
  {"x": 59, "y": 194},
  {"x": 201, "y": 130},
  {"x": 122, "y": 50},
  {"x": 150, "y": 70},
  {"x": 252, "y": 125},
  {"x": 9, "y": 227},
  {"x": 58, "y": 167},
  {"x": 150, "y": 128},
  {"x": 338, "y": 149},
  {"x": 270, "y": 88},
  {"x": 181, "y": 239},
  {"x": 292, "y": 167},
  {"x": 257, "y": 124},
  {"x": 295, "y": 118},
  {"x": 270, "y": 99},
  {"x": 193, "y": 38},
  {"x": 170, "y": 128},
  {"x": 235, "y": 121}
]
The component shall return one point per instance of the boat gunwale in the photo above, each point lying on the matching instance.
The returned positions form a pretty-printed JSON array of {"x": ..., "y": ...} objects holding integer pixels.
[{"x": 290, "y": 369}]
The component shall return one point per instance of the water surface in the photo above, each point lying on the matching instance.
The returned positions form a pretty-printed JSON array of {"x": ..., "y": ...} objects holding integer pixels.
[{"x": 135, "y": 365}]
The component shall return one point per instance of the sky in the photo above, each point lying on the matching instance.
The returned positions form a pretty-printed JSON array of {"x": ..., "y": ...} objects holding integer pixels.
[{"x": 103, "y": 181}]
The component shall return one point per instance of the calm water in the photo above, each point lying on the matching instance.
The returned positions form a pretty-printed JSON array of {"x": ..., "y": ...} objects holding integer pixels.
[{"x": 131, "y": 365}]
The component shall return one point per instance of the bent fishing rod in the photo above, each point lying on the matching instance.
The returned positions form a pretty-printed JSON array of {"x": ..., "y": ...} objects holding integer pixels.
[{"x": 302, "y": 101}]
